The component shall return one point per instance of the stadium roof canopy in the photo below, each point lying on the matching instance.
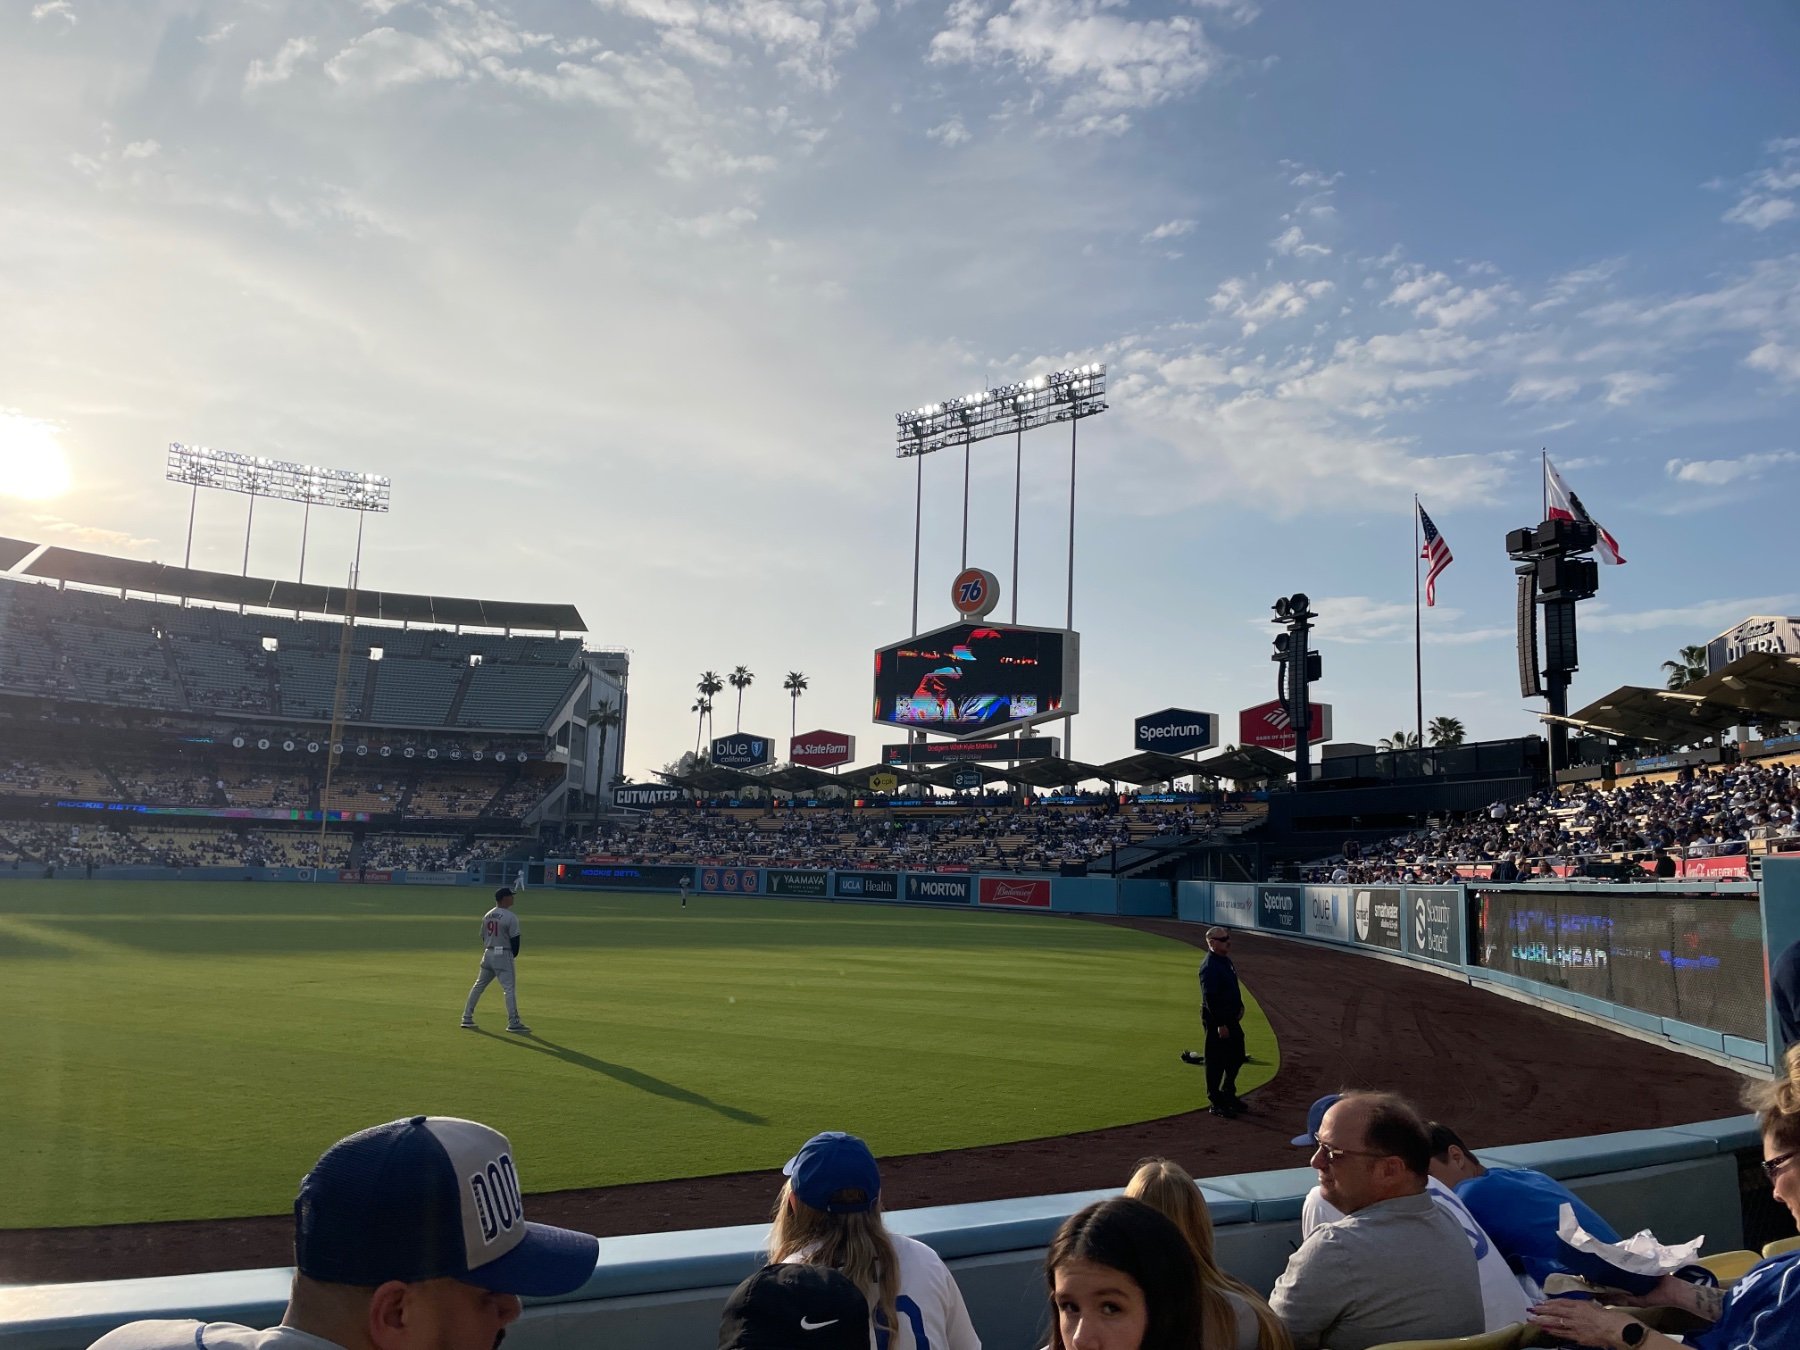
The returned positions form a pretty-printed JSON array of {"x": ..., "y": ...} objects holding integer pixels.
[
  {"x": 152, "y": 578},
  {"x": 1759, "y": 687},
  {"x": 859, "y": 778},
  {"x": 712, "y": 778},
  {"x": 1148, "y": 766},
  {"x": 944, "y": 775},
  {"x": 11, "y": 551},
  {"x": 802, "y": 778},
  {"x": 1246, "y": 764},
  {"x": 1054, "y": 772}
]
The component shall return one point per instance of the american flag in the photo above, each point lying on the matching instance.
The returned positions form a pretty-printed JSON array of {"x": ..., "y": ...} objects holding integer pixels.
[{"x": 1436, "y": 552}]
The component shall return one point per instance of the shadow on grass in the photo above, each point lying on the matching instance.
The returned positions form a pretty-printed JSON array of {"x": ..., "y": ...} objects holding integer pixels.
[{"x": 631, "y": 1078}]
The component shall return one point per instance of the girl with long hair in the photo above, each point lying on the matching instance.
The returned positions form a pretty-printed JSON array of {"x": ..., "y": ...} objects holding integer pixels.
[
  {"x": 1232, "y": 1313},
  {"x": 829, "y": 1214},
  {"x": 1123, "y": 1277}
]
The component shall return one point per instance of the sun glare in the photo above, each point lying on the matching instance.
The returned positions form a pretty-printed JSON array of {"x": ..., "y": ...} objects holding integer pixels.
[{"x": 32, "y": 463}]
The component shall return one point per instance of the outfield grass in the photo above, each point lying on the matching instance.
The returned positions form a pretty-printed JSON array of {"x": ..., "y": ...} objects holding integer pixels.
[{"x": 177, "y": 1051}]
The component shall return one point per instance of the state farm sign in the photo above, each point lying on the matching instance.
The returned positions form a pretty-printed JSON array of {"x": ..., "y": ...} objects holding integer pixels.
[
  {"x": 1268, "y": 725},
  {"x": 822, "y": 749}
]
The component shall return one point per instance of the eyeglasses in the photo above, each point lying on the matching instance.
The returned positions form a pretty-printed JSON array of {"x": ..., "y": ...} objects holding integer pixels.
[
  {"x": 1333, "y": 1154},
  {"x": 1773, "y": 1166}
]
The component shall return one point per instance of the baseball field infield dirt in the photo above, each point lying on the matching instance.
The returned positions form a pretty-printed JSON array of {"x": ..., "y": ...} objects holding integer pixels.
[{"x": 1498, "y": 1070}]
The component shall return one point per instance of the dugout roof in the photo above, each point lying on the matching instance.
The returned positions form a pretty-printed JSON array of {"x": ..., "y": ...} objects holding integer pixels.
[
  {"x": 1148, "y": 766},
  {"x": 11, "y": 551},
  {"x": 1759, "y": 687},
  {"x": 154, "y": 578},
  {"x": 1055, "y": 772},
  {"x": 1245, "y": 764}
]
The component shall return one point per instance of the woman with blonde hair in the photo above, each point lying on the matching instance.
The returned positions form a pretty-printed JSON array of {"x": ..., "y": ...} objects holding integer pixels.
[
  {"x": 1233, "y": 1313},
  {"x": 1762, "y": 1309},
  {"x": 829, "y": 1214}
]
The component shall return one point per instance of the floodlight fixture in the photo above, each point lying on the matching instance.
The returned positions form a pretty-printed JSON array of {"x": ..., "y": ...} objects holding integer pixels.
[{"x": 1040, "y": 401}]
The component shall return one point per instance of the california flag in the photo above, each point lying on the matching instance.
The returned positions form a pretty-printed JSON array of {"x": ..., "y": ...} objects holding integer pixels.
[{"x": 1565, "y": 505}]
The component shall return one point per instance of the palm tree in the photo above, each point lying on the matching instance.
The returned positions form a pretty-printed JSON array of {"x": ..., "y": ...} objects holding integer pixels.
[
  {"x": 710, "y": 684},
  {"x": 740, "y": 680},
  {"x": 1688, "y": 667},
  {"x": 702, "y": 709},
  {"x": 795, "y": 684},
  {"x": 1446, "y": 731},
  {"x": 605, "y": 717},
  {"x": 1400, "y": 740}
]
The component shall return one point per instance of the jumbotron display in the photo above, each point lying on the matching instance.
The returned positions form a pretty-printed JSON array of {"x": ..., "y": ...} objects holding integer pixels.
[{"x": 977, "y": 679}]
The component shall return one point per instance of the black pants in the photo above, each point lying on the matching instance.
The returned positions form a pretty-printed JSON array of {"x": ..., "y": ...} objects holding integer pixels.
[{"x": 1225, "y": 1055}]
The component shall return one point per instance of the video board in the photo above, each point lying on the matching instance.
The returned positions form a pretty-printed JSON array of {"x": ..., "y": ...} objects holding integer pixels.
[{"x": 977, "y": 679}]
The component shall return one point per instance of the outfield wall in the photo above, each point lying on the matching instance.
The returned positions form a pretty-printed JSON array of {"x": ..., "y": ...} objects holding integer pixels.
[{"x": 661, "y": 1290}]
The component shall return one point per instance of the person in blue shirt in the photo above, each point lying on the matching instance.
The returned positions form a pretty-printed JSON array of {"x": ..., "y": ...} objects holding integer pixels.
[
  {"x": 1520, "y": 1210},
  {"x": 1759, "y": 1312}
]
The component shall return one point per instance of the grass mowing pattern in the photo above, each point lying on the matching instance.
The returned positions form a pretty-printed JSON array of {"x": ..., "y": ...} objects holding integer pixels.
[{"x": 178, "y": 1052}]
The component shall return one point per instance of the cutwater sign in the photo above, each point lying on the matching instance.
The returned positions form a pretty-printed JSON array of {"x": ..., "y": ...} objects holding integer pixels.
[
  {"x": 1433, "y": 931},
  {"x": 1175, "y": 731},
  {"x": 646, "y": 794},
  {"x": 742, "y": 751},
  {"x": 1280, "y": 908}
]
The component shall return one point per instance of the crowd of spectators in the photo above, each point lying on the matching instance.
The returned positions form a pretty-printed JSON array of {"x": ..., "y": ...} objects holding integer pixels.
[
  {"x": 67, "y": 847},
  {"x": 1650, "y": 823}
]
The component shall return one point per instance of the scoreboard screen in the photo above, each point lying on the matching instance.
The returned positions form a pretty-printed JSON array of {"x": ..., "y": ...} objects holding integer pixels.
[{"x": 976, "y": 679}]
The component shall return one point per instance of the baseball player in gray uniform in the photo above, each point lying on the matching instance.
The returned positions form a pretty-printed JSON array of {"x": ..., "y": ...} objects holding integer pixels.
[{"x": 499, "y": 947}]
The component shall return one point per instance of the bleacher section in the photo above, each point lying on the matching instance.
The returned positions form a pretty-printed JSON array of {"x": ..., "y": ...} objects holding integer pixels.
[
  {"x": 414, "y": 693},
  {"x": 513, "y": 697},
  {"x": 308, "y": 684}
]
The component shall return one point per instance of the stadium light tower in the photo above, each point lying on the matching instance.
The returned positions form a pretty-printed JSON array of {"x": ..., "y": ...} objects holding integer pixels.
[
  {"x": 346, "y": 489},
  {"x": 1012, "y": 409}
]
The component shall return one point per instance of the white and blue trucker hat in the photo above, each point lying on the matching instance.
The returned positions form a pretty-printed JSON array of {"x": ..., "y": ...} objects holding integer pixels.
[{"x": 425, "y": 1198}]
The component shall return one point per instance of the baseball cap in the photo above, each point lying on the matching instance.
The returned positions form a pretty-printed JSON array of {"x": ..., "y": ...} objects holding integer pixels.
[
  {"x": 1315, "y": 1117},
  {"x": 503, "y": 892},
  {"x": 426, "y": 1198},
  {"x": 795, "y": 1307},
  {"x": 832, "y": 1162}
]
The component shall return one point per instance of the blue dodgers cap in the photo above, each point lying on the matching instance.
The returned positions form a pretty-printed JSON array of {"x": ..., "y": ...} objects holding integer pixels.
[
  {"x": 426, "y": 1198},
  {"x": 1315, "y": 1117},
  {"x": 832, "y": 1162}
]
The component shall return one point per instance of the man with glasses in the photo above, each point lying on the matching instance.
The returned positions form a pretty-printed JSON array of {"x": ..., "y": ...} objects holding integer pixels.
[
  {"x": 1396, "y": 1267},
  {"x": 1222, "y": 1018}
]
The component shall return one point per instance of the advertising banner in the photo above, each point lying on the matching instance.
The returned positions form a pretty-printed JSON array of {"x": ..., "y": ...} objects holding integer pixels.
[
  {"x": 742, "y": 751},
  {"x": 1234, "y": 904},
  {"x": 1328, "y": 912},
  {"x": 1268, "y": 725},
  {"x": 1027, "y": 892},
  {"x": 786, "y": 881},
  {"x": 620, "y": 876},
  {"x": 978, "y": 679},
  {"x": 1175, "y": 731},
  {"x": 365, "y": 874},
  {"x": 1026, "y": 747},
  {"x": 939, "y": 889},
  {"x": 1434, "y": 924},
  {"x": 1280, "y": 908},
  {"x": 725, "y": 880},
  {"x": 867, "y": 886},
  {"x": 646, "y": 794},
  {"x": 822, "y": 749},
  {"x": 1376, "y": 912}
]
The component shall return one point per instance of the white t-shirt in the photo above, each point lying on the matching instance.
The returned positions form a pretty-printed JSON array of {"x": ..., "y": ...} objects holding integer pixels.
[
  {"x": 499, "y": 926},
  {"x": 183, "y": 1333},
  {"x": 1503, "y": 1300},
  {"x": 932, "y": 1313}
]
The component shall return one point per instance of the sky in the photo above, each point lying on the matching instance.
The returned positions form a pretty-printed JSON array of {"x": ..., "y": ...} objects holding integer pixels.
[{"x": 624, "y": 296}]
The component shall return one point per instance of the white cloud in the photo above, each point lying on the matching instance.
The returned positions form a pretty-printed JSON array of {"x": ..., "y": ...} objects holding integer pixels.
[
  {"x": 1293, "y": 244},
  {"x": 1571, "y": 284},
  {"x": 1720, "y": 472},
  {"x": 1781, "y": 362},
  {"x": 281, "y": 66},
  {"x": 1623, "y": 386},
  {"x": 1703, "y": 618},
  {"x": 716, "y": 224},
  {"x": 1761, "y": 203},
  {"x": 950, "y": 133},
  {"x": 1106, "y": 67},
  {"x": 1759, "y": 213},
  {"x": 1283, "y": 300},
  {"x": 55, "y": 9},
  {"x": 1544, "y": 388},
  {"x": 140, "y": 150},
  {"x": 385, "y": 58},
  {"x": 1312, "y": 178},
  {"x": 1170, "y": 229}
]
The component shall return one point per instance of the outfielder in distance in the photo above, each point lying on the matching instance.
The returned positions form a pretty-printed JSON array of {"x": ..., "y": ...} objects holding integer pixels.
[{"x": 499, "y": 947}]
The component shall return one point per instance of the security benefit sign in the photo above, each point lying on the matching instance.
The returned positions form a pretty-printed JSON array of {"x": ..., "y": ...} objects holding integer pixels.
[
  {"x": 1280, "y": 908},
  {"x": 868, "y": 886},
  {"x": 1434, "y": 924},
  {"x": 742, "y": 751},
  {"x": 1175, "y": 731},
  {"x": 1019, "y": 892},
  {"x": 1328, "y": 912},
  {"x": 1375, "y": 917},
  {"x": 787, "y": 881}
]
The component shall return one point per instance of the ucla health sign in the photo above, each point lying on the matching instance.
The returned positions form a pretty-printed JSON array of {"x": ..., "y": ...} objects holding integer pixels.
[
  {"x": 1175, "y": 731},
  {"x": 742, "y": 751}
]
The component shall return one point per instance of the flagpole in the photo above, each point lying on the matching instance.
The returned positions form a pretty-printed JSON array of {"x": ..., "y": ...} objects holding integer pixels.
[
  {"x": 1418, "y": 660},
  {"x": 1544, "y": 479}
]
